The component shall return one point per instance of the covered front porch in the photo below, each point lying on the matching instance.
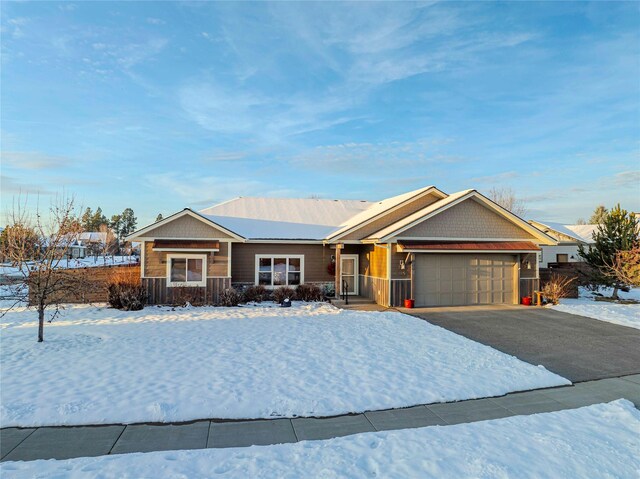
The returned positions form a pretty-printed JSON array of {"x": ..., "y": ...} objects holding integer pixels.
[{"x": 462, "y": 273}]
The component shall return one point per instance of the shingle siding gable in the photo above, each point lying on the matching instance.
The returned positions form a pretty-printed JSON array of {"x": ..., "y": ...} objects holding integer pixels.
[{"x": 468, "y": 219}]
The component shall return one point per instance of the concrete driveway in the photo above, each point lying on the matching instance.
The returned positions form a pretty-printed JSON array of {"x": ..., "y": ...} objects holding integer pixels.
[{"x": 575, "y": 347}]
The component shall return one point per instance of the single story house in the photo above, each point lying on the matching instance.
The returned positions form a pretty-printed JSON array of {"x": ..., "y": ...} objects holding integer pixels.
[
  {"x": 568, "y": 238},
  {"x": 436, "y": 248}
]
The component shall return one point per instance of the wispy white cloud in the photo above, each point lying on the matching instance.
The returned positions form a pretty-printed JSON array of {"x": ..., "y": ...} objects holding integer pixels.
[
  {"x": 33, "y": 160},
  {"x": 356, "y": 49},
  {"x": 387, "y": 159},
  {"x": 498, "y": 178},
  {"x": 204, "y": 190},
  {"x": 12, "y": 186}
]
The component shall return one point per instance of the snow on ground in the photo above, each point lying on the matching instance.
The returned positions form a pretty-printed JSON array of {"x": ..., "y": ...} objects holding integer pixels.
[
  {"x": 88, "y": 262},
  {"x": 585, "y": 305},
  {"x": 595, "y": 441},
  {"x": 100, "y": 365}
]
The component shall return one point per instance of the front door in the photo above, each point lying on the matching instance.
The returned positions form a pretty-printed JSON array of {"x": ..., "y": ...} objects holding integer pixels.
[{"x": 349, "y": 273}]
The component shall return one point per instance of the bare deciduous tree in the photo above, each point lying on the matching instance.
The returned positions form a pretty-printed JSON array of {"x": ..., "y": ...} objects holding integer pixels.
[
  {"x": 625, "y": 266},
  {"x": 506, "y": 198},
  {"x": 37, "y": 245}
]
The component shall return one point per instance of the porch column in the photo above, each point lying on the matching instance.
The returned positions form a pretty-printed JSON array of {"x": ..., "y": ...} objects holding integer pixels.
[{"x": 337, "y": 280}]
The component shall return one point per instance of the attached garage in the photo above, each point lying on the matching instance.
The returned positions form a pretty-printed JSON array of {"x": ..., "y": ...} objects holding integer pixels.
[{"x": 458, "y": 279}]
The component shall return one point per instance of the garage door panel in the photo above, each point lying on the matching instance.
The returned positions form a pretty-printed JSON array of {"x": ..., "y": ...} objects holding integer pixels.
[
  {"x": 461, "y": 279},
  {"x": 459, "y": 299}
]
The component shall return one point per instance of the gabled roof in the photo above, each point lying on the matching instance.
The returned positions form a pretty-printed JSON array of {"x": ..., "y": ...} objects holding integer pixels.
[
  {"x": 257, "y": 229},
  {"x": 580, "y": 233},
  {"x": 310, "y": 219},
  {"x": 93, "y": 237},
  {"x": 376, "y": 210},
  {"x": 179, "y": 214},
  {"x": 308, "y": 211},
  {"x": 284, "y": 218},
  {"x": 404, "y": 224},
  {"x": 408, "y": 221}
]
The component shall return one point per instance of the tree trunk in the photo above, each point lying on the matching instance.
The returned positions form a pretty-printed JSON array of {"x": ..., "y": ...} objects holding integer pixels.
[
  {"x": 615, "y": 291},
  {"x": 40, "y": 323}
]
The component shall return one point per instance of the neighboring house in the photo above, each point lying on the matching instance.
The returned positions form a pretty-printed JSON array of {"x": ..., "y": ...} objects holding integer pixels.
[
  {"x": 436, "y": 248},
  {"x": 80, "y": 245},
  {"x": 94, "y": 241},
  {"x": 70, "y": 248},
  {"x": 569, "y": 237}
]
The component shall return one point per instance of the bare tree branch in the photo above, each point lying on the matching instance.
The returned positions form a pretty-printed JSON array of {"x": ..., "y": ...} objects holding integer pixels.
[
  {"x": 506, "y": 198},
  {"x": 36, "y": 245}
]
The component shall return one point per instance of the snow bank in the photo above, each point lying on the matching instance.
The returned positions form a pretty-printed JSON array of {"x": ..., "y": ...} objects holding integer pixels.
[
  {"x": 99, "y": 365},
  {"x": 595, "y": 441},
  {"x": 623, "y": 314}
]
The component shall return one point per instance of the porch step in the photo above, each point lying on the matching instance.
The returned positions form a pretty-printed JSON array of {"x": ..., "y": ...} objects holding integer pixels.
[{"x": 358, "y": 302}]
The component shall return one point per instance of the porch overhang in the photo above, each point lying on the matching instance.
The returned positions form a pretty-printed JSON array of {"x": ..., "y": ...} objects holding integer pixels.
[
  {"x": 186, "y": 245},
  {"x": 467, "y": 247}
]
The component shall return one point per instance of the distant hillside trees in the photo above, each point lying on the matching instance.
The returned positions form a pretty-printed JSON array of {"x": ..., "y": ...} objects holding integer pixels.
[{"x": 118, "y": 227}]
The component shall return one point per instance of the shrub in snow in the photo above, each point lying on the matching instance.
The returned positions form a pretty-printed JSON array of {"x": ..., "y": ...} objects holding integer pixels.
[
  {"x": 283, "y": 292},
  {"x": 230, "y": 297},
  {"x": 309, "y": 292},
  {"x": 329, "y": 290},
  {"x": 184, "y": 295},
  {"x": 256, "y": 294},
  {"x": 125, "y": 291},
  {"x": 558, "y": 286},
  {"x": 128, "y": 297}
]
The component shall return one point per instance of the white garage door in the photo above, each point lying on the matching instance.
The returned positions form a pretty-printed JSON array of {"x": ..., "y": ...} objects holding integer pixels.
[{"x": 464, "y": 279}]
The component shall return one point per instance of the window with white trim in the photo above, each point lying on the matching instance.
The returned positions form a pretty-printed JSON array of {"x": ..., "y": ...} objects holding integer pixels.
[
  {"x": 186, "y": 270},
  {"x": 279, "y": 270}
]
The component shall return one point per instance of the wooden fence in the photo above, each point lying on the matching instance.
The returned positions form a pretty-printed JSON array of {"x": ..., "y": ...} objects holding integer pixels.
[
  {"x": 374, "y": 288},
  {"x": 90, "y": 284},
  {"x": 545, "y": 277}
]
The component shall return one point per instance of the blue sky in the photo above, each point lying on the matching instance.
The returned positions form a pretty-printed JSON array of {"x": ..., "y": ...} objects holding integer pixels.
[{"x": 160, "y": 105}]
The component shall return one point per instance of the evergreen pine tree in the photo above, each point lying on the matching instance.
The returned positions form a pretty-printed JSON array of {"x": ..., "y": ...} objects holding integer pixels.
[
  {"x": 617, "y": 232},
  {"x": 86, "y": 219},
  {"x": 598, "y": 215},
  {"x": 128, "y": 222}
]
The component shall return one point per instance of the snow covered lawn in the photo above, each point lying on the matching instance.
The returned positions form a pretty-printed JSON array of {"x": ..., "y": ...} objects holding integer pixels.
[
  {"x": 99, "y": 365},
  {"x": 585, "y": 305},
  {"x": 595, "y": 441}
]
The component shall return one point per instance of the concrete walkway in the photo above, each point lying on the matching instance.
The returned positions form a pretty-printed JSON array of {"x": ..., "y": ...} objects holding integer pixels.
[{"x": 27, "y": 444}]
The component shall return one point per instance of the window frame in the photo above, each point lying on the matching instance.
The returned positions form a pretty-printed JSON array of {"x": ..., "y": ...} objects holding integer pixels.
[
  {"x": 177, "y": 284},
  {"x": 273, "y": 256}
]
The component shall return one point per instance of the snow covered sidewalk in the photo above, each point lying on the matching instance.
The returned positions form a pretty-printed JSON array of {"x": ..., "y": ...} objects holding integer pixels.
[
  {"x": 596, "y": 441},
  {"x": 586, "y": 305},
  {"x": 100, "y": 366}
]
